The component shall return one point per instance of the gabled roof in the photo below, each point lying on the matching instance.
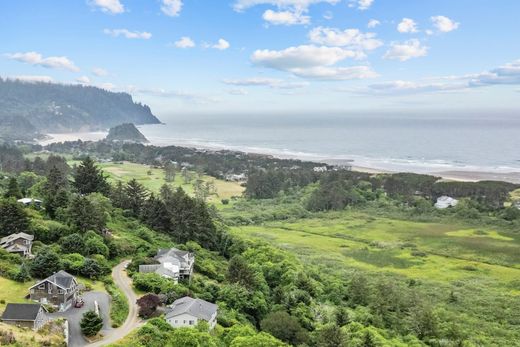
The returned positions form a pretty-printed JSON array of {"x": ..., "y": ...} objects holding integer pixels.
[
  {"x": 167, "y": 255},
  {"x": 196, "y": 307},
  {"x": 61, "y": 278},
  {"x": 27, "y": 201},
  {"x": 16, "y": 236},
  {"x": 21, "y": 312}
]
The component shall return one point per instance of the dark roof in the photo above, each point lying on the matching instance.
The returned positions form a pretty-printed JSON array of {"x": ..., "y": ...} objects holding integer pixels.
[
  {"x": 196, "y": 307},
  {"x": 61, "y": 278},
  {"x": 21, "y": 312}
]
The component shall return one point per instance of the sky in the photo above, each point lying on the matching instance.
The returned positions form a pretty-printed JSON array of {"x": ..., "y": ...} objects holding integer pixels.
[{"x": 238, "y": 56}]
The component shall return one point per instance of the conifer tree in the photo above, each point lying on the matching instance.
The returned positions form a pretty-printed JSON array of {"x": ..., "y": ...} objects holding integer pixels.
[
  {"x": 13, "y": 218},
  {"x": 88, "y": 178},
  {"x": 135, "y": 197},
  {"x": 13, "y": 190}
]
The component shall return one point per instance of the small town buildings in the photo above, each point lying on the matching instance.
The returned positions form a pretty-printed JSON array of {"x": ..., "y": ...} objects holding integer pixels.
[
  {"x": 187, "y": 312},
  {"x": 173, "y": 263},
  {"x": 30, "y": 201},
  {"x": 446, "y": 202},
  {"x": 19, "y": 243},
  {"x": 32, "y": 316},
  {"x": 60, "y": 290}
]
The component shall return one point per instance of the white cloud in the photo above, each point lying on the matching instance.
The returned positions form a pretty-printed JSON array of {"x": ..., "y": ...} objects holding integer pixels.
[
  {"x": 373, "y": 23},
  {"x": 400, "y": 87},
  {"x": 109, "y": 6},
  {"x": 238, "y": 92},
  {"x": 221, "y": 45},
  {"x": 311, "y": 61},
  {"x": 100, "y": 72},
  {"x": 241, "y": 5},
  {"x": 108, "y": 86},
  {"x": 351, "y": 38},
  {"x": 328, "y": 15},
  {"x": 267, "y": 82},
  {"x": 34, "y": 58},
  {"x": 171, "y": 8},
  {"x": 34, "y": 78},
  {"x": 364, "y": 4},
  {"x": 83, "y": 80},
  {"x": 406, "y": 50},
  {"x": 407, "y": 25},
  {"x": 444, "y": 24},
  {"x": 184, "y": 42},
  {"x": 506, "y": 74},
  {"x": 128, "y": 34},
  {"x": 186, "y": 96},
  {"x": 285, "y": 17}
]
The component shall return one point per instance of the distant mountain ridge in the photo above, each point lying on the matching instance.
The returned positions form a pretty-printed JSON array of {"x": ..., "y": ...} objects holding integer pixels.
[{"x": 28, "y": 109}]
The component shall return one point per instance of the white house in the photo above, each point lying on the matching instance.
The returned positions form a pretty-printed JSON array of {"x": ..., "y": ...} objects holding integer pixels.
[
  {"x": 173, "y": 263},
  {"x": 30, "y": 201},
  {"x": 187, "y": 312},
  {"x": 446, "y": 202}
]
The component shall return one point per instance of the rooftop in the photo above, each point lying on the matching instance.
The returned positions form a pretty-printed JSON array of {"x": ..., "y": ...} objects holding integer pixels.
[
  {"x": 196, "y": 307},
  {"x": 21, "y": 312}
]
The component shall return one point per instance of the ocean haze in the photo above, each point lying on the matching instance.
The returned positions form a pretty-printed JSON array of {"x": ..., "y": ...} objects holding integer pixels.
[{"x": 392, "y": 141}]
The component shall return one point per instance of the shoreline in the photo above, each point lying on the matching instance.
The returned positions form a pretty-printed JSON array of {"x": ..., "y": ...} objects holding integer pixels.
[{"x": 446, "y": 173}]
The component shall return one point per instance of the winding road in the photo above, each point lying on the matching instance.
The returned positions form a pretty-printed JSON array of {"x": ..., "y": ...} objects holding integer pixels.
[{"x": 133, "y": 321}]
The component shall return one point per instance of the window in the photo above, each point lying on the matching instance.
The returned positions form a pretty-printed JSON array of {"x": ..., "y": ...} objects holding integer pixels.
[
  {"x": 192, "y": 322},
  {"x": 60, "y": 291},
  {"x": 184, "y": 322},
  {"x": 176, "y": 321},
  {"x": 41, "y": 286}
]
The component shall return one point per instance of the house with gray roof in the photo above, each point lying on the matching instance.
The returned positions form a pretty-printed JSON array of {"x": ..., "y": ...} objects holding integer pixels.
[
  {"x": 60, "y": 290},
  {"x": 173, "y": 263},
  {"x": 19, "y": 243},
  {"x": 32, "y": 316},
  {"x": 187, "y": 312}
]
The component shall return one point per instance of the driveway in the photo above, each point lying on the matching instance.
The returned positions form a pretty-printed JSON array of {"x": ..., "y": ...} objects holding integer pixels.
[
  {"x": 133, "y": 321},
  {"x": 74, "y": 315}
]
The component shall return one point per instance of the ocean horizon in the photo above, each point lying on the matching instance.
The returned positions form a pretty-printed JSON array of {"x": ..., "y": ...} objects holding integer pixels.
[{"x": 390, "y": 142}]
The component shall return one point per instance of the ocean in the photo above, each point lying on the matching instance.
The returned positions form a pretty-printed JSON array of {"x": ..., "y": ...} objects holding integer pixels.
[{"x": 420, "y": 143}]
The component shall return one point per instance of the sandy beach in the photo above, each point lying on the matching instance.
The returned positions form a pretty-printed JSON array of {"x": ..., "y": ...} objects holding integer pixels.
[{"x": 453, "y": 175}]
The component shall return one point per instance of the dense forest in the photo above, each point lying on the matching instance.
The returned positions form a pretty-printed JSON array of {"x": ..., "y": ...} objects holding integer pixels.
[{"x": 28, "y": 109}]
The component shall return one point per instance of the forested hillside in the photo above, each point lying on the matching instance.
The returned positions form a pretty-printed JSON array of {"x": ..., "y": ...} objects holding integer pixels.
[{"x": 30, "y": 108}]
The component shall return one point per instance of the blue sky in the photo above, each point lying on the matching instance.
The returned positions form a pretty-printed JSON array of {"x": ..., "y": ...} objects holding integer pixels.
[{"x": 191, "y": 56}]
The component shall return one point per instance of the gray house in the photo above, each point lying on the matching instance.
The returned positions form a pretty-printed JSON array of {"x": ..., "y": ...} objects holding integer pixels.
[
  {"x": 187, "y": 312},
  {"x": 172, "y": 263},
  {"x": 59, "y": 289},
  {"x": 184, "y": 259},
  {"x": 32, "y": 316},
  {"x": 20, "y": 243}
]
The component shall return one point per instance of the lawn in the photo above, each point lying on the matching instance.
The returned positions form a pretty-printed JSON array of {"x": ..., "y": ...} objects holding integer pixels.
[
  {"x": 443, "y": 252},
  {"x": 12, "y": 292},
  {"x": 153, "y": 179}
]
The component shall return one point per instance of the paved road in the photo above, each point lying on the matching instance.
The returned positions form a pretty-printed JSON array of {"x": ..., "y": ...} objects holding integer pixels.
[
  {"x": 74, "y": 315},
  {"x": 132, "y": 322}
]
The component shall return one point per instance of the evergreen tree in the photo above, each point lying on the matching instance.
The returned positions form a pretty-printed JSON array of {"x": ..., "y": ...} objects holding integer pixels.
[
  {"x": 13, "y": 190},
  {"x": 45, "y": 263},
  {"x": 169, "y": 172},
  {"x": 240, "y": 272},
  {"x": 13, "y": 218},
  {"x": 135, "y": 197},
  {"x": 155, "y": 215},
  {"x": 55, "y": 191},
  {"x": 91, "y": 323},
  {"x": 84, "y": 216},
  {"x": 88, "y": 178},
  {"x": 117, "y": 195}
]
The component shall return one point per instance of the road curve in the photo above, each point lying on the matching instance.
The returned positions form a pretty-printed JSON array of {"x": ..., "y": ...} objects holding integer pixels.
[{"x": 133, "y": 321}]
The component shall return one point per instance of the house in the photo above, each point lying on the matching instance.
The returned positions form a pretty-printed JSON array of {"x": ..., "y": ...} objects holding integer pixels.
[
  {"x": 19, "y": 243},
  {"x": 32, "y": 316},
  {"x": 30, "y": 201},
  {"x": 173, "y": 263},
  {"x": 187, "y": 312},
  {"x": 167, "y": 270},
  {"x": 59, "y": 290},
  {"x": 446, "y": 202}
]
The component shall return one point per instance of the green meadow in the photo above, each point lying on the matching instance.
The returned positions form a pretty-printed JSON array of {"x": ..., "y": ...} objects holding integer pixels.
[{"x": 429, "y": 251}]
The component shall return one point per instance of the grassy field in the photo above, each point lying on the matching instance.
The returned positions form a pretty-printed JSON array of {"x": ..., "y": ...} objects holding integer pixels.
[
  {"x": 442, "y": 252},
  {"x": 153, "y": 179}
]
